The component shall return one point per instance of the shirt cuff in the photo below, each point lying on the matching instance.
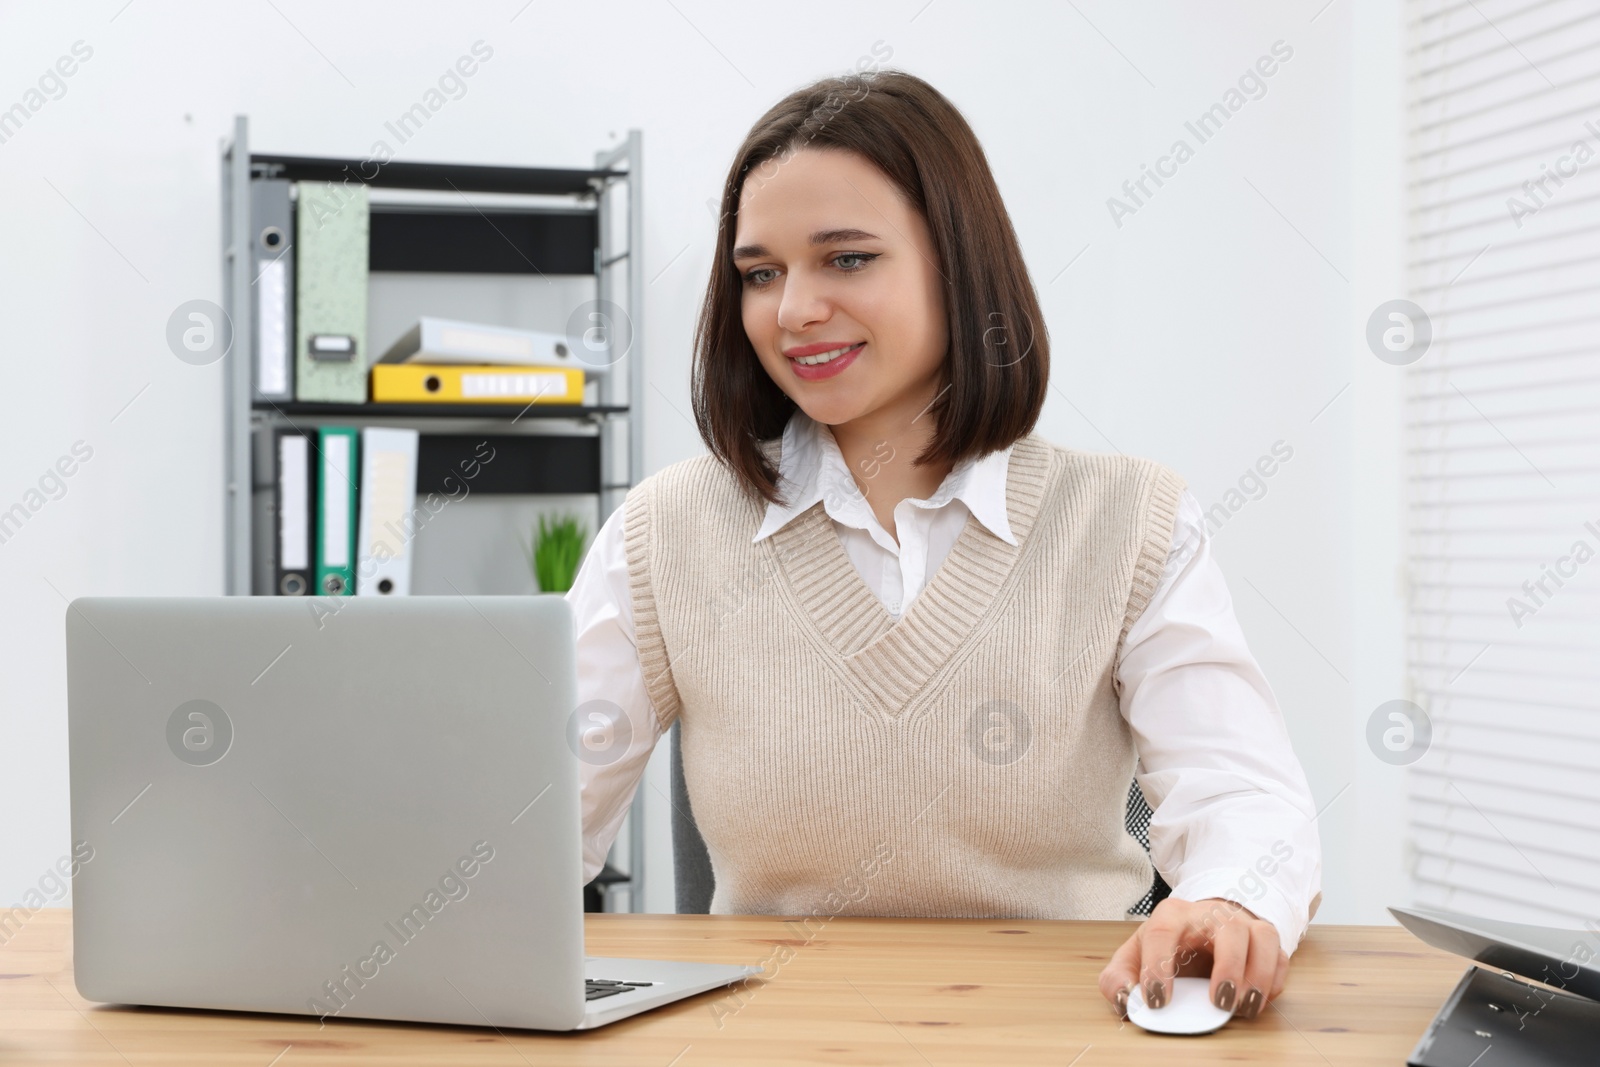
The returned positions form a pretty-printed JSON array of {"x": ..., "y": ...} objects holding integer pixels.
[{"x": 1270, "y": 902}]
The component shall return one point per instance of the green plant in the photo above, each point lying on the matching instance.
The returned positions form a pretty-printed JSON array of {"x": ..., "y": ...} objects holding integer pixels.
[{"x": 557, "y": 551}]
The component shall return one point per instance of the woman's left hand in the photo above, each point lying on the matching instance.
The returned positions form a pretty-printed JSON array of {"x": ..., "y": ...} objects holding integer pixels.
[{"x": 1193, "y": 938}]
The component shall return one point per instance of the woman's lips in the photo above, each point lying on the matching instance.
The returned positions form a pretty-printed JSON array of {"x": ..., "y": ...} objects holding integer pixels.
[
  {"x": 816, "y": 348},
  {"x": 830, "y": 369}
]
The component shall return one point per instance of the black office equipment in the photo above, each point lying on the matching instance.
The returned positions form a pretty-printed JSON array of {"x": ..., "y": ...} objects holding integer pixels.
[{"x": 1494, "y": 1014}]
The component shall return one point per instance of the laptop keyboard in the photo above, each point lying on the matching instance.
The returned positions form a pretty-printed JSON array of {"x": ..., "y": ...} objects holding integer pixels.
[{"x": 595, "y": 988}]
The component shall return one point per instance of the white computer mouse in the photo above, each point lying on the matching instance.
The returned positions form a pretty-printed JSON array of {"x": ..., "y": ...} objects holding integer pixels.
[{"x": 1190, "y": 1010}]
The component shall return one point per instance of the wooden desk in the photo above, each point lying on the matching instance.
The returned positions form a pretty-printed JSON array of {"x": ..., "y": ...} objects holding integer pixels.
[{"x": 858, "y": 991}]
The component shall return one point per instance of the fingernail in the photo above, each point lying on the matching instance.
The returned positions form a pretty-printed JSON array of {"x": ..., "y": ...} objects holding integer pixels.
[
  {"x": 1224, "y": 997},
  {"x": 1122, "y": 1002},
  {"x": 1250, "y": 1007},
  {"x": 1155, "y": 993}
]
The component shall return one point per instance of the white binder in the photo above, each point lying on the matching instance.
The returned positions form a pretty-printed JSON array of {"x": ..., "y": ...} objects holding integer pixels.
[
  {"x": 388, "y": 495},
  {"x": 448, "y": 341}
]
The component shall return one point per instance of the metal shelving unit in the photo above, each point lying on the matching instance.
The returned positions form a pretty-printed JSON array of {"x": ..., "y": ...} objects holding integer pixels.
[{"x": 571, "y": 237}]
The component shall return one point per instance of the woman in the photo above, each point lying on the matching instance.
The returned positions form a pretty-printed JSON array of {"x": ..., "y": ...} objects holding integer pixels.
[{"x": 914, "y": 648}]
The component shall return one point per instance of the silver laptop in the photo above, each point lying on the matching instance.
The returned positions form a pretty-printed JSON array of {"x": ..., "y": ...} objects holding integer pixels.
[{"x": 342, "y": 807}]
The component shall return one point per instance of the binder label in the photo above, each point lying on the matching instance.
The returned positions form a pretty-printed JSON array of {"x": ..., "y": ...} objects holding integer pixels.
[
  {"x": 336, "y": 501},
  {"x": 294, "y": 520},
  {"x": 390, "y": 502},
  {"x": 272, "y": 331},
  {"x": 477, "y": 386}
]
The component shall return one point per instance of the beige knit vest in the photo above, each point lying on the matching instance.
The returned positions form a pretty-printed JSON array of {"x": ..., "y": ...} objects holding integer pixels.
[{"x": 966, "y": 760}]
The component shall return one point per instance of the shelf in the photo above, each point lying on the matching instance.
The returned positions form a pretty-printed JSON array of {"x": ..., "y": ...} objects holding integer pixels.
[
  {"x": 558, "y": 222},
  {"x": 311, "y": 409},
  {"x": 465, "y": 178}
]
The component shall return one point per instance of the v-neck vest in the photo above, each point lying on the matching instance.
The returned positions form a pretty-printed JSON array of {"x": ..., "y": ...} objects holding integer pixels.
[{"x": 969, "y": 759}]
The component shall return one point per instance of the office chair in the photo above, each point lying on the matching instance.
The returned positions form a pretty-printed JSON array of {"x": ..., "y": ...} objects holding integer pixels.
[
  {"x": 598, "y": 892},
  {"x": 693, "y": 882}
]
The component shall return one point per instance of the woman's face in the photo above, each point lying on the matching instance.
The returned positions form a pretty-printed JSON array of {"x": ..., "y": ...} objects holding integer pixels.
[{"x": 871, "y": 281}]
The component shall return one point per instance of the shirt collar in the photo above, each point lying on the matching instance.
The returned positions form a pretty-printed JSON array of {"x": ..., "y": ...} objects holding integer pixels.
[{"x": 811, "y": 468}]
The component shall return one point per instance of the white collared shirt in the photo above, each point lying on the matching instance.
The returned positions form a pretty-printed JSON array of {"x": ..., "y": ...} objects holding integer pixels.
[
  {"x": 927, "y": 529},
  {"x": 1215, "y": 761}
]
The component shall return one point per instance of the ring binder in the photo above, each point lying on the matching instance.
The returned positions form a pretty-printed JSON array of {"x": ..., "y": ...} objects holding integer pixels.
[
  {"x": 336, "y": 511},
  {"x": 273, "y": 258}
]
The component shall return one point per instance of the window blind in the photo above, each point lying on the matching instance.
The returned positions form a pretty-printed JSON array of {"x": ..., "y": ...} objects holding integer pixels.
[{"x": 1502, "y": 441}]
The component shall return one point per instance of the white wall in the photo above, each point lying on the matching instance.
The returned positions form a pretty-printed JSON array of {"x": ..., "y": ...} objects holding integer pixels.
[{"x": 1212, "y": 323}]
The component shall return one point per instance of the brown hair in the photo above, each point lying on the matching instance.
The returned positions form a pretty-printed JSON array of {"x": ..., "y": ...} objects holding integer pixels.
[{"x": 998, "y": 361}]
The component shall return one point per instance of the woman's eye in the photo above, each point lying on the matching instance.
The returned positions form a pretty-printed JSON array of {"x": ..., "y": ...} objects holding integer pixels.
[{"x": 756, "y": 279}]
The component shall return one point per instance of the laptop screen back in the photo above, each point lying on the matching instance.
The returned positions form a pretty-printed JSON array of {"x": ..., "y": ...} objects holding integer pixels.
[{"x": 336, "y": 806}]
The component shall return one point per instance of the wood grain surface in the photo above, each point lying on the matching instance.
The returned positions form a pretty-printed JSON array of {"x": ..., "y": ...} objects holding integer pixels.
[{"x": 919, "y": 992}]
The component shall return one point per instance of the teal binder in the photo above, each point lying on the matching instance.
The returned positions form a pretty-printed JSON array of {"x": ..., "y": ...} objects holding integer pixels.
[
  {"x": 337, "y": 467},
  {"x": 331, "y": 237}
]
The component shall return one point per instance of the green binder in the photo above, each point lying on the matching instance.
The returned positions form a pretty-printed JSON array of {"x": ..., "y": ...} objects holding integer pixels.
[
  {"x": 331, "y": 230},
  {"x": 337, "y": 467}
]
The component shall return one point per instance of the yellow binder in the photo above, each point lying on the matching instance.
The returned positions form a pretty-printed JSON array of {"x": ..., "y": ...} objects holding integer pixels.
[{"x": 412, "y": 383}]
